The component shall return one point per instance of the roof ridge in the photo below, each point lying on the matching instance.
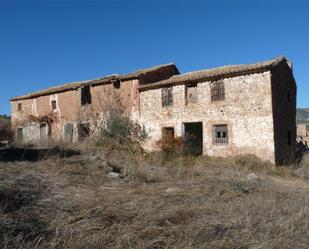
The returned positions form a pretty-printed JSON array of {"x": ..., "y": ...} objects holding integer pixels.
[
  {"x": 218, "y": 71},
  {"x": 76, "y": 84},
  {"x": 69, "y": 85},
  {"x": 274, "y": 60}
]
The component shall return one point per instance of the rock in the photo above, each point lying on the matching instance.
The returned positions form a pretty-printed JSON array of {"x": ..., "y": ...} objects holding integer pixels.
[
  {"x": 172, "y": 190},
  {"x": 113, "y": 175},
  {"x": 252, "y": 177},
  {"x": 93, "y": 157}
]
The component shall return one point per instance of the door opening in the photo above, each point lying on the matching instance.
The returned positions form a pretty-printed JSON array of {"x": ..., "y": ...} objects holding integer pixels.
[{"x": 193, "y": 138}]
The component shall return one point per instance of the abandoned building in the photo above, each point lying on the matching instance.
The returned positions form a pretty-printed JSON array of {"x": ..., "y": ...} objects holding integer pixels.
[{"x": 225, "y": 111}]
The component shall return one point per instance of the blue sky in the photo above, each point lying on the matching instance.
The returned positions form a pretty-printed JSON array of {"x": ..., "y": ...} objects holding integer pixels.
[{"x": 48, "y": 43}]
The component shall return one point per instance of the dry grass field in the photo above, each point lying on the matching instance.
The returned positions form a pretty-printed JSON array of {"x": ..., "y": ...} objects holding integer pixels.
[{"x": 156, "y": 202}]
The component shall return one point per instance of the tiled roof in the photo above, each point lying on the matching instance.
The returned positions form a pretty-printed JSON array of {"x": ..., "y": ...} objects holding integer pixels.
[
  {"x": 103, "y": 80},
  {"x": 218, "y": 72},
  {"x": 62, "y": 88},
  {"x": 142, "y": 72}
]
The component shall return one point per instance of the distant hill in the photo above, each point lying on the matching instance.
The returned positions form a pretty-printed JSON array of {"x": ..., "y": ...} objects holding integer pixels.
[
  {"x": 4, "y": 120},
  {"x": 302, "y": 115}
]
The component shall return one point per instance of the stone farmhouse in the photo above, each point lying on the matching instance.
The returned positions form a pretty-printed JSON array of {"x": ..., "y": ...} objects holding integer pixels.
[{"x": 225, "y": 111}]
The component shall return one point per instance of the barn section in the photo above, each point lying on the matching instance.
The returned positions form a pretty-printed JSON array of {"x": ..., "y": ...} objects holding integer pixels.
[
  {"x": 241, "y": 109},
  {"x": 72, "y": 112}
]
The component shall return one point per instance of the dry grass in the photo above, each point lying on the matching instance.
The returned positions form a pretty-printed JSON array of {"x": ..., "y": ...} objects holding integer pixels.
[{"x": 185, "y": 202}]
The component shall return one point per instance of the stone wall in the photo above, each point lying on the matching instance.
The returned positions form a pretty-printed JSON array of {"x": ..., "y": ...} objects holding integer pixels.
[
  {"x": 284, "y": 106},
  {"x": 247, "y": 110}
]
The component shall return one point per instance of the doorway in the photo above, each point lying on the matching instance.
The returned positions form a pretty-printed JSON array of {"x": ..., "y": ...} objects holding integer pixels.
[
  {"x": 193, "y": 138},
  {"x": 45, "y": 134}
]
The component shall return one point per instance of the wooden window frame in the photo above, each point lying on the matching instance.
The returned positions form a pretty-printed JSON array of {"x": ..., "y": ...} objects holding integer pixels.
[
  {"x": 220, "y": 134},
  {"x": 167, "y": 96},
  {"x": 217, "y": 91}
]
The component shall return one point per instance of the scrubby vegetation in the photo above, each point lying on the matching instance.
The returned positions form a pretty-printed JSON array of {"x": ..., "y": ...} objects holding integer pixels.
[
  {"x": 109, "y": 193},
  {"x": 5, "y": 128},
  {"x": 156, "y": 202}
]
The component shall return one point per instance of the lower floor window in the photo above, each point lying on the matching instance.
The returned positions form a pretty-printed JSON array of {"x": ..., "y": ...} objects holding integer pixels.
[
  {"x": 168, "y": 132},
  {"x": 220, "y": 134},
  {"x": 84, "y": 130}
]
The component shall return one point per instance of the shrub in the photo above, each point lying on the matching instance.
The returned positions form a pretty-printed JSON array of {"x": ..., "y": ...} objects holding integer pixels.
[
  {"x": 6, "y": 132},
  {"x": 242, "y": 185},
  {"x": 171, "y": 145},
  {"x": 119, "y": 128}
]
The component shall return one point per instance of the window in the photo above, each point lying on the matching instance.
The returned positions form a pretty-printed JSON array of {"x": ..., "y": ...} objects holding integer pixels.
[
  {"x": 217, "y": 91},
  {"x": 289, "y": 95},
  {"x": 83, "y": 131},
  {"x": 54, "y": 105},
  {"x": 19, "y": 107},
  {"x": 116, "y": 84},
  {"x": 85, "y": 95},
  {"x": 220, "y": 134},
  {"x": 167, "y": 96},
  {"x": 168, "y": 132},
  {"x": 289, "y": 138},
  {"x": 191, "y": 94}
]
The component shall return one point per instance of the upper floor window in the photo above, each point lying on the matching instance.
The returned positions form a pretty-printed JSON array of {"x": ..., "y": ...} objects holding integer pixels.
[
  {"x": 167, "y": 96},
  {"x": 220, "y": 134},
  {"x": 191, "y": 93},
  {"x": 217, "y": 91},
  {"x": 54, "y": 105},
  {"x": 19, "y": 107},
  {"x": 116, "y": 84},
  {"x": 86, "y": 95}
]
